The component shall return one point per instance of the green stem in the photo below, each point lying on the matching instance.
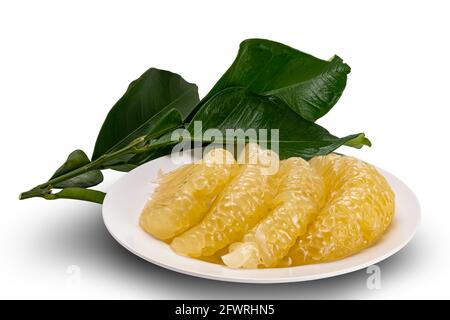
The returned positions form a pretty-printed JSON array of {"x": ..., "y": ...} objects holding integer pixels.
[{"x": 35, "y": 192}]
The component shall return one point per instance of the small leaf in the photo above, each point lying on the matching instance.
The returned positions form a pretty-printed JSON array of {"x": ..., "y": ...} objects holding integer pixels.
[
  {"x": 85, "y": 180},
  {"x": 146, "y": 100},
  {"x": 359, "y": 141},
  {"x": 76, "y": 160},
  {"x": 78, "y": 194}
]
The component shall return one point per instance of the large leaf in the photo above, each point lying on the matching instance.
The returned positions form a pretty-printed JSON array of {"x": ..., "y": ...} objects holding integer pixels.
[
  {"x": 76, "y": 160},
  {"x": 236, "y": 108},
  {"x": 147, "y": 99},
  {"x": 308, "y": 85}
]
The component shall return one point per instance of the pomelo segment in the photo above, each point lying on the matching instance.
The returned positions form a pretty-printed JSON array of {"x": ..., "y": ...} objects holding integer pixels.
[
  {"x": 359, "y": 209},
  {"x": 184, "y": 196},
  {"x": 242, "y": 203},
  {"x": 299, "y": 197}
]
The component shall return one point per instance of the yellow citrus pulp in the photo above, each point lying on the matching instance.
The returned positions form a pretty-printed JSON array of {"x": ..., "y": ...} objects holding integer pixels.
[
  {"x": 359, "y": 208},
  {"x": 300, "y": 194},
  {"x": 250, "y": 216},
  {"x": 185, "y": 195},
  {"x": 241, "y": 204}
]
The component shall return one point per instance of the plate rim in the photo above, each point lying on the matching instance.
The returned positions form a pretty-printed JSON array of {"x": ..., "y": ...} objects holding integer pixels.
[{"x": 265, "y": 279}]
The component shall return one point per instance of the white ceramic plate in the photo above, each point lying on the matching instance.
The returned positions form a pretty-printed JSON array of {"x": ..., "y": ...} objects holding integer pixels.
[{"x": 126, "y": 198}]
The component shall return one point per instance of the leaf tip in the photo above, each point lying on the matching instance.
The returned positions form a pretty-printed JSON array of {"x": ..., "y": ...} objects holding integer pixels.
[
  {"x": 359, "y": 141},
  {"x": 339, "y": 63}
]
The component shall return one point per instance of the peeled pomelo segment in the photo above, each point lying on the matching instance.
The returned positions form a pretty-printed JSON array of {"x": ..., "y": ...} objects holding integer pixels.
[
  {"x": 359, "y": 209},
  {"x": 242, "y": 203},
  {"x": 184, "y": 196},
  {"x": 238, "y": 208},
  {"x": 300, "y": 195},
  {"x": 324, "y": 166}
]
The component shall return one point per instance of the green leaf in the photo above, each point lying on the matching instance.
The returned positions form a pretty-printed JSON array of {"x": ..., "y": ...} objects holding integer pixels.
[
  {"x": 78, "y": 194},
  {"x": 239, "y": 109},
  {"x": 166, "y": 123},
  {"x": 147, "y": 99},
  {"x": 308, "y": 85},
  {"x": 359, "y": 141},
  {"x": 76, "y": 160}
]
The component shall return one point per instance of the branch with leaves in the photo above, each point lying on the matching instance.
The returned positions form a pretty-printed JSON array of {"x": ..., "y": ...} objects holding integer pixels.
[{"x": 268, "y": 86}]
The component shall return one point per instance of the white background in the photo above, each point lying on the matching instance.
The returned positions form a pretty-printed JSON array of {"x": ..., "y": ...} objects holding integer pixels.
[{"x": 63, "y": 64}]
